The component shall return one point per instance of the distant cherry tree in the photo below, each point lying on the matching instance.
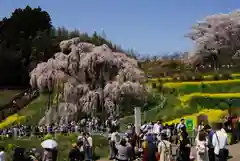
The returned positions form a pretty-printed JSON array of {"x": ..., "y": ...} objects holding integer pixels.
[{"x": 217, "y": 35}]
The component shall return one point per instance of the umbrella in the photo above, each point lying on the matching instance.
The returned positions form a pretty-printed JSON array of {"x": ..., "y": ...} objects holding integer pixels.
[{"x": 49, "y": 144}]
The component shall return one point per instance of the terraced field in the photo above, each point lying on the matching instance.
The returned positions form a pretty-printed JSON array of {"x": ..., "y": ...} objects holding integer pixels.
[{"x": 188, "y": 99}]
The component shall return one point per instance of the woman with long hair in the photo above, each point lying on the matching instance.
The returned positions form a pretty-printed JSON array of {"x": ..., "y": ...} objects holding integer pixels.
[{"x": 202, "y": 146}]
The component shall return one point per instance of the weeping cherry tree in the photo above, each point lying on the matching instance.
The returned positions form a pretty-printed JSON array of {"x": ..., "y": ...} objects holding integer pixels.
[{"x": 91, "y": 79}]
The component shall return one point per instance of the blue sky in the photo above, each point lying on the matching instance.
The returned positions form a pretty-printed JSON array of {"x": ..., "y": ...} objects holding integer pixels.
[{"x": 147, "y": 26}]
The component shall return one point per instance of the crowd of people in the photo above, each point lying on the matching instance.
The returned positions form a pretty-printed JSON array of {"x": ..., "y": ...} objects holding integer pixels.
[
  {"x": 155, "y": 142},
  {"x": 85, "y": 125}
]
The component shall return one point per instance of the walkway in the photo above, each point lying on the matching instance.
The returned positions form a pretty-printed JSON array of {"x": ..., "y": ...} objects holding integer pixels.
[
  {"x": 233, "y": 152},
  {"x": 233, "y": 149}
]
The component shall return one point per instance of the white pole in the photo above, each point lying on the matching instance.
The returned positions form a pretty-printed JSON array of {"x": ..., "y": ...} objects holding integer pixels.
[{"x": 137, "y": 114}]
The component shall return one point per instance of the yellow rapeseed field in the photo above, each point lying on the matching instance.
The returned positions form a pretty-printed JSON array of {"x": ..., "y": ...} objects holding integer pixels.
[
  {"x": 205, "y": 77},
  {"x": 187, "y": 97},
  {"x": 10, "y": 120},
  {"x": 236, "y": 74},
  {"x": 179, "y": 84},
  {"x": 213, "y": 116}
]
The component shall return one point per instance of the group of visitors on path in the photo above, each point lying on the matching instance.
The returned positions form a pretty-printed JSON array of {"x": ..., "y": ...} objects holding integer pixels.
[
  {"x": 84, "y": 125},
  {"x": 156, "y": 141}
]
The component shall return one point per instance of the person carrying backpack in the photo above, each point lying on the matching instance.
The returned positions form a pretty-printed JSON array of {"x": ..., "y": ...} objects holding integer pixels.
[
  {"x": 202, "y": 147},
  {"x": 164, "y": 148}
]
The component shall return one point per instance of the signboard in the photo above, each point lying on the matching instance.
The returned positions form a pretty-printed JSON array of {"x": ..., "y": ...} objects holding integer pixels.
[{"x": 189, "y": 124}]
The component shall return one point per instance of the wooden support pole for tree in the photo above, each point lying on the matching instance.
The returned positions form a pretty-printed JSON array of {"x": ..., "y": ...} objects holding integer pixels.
[{"x": 137, "y": 114}]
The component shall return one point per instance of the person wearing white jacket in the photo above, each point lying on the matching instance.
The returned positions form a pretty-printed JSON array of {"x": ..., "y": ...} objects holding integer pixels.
[
  {"x": 220, "y": 142},
  {"x": 2, "y": 154}
]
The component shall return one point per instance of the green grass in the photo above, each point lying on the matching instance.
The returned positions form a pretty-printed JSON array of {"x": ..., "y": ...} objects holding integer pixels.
[
  {"x": 100, "y": 145},
  {"x": 171, "y": 110},
  {"x": 35, "y": 110},
  {"x": 7, "y": 95}
]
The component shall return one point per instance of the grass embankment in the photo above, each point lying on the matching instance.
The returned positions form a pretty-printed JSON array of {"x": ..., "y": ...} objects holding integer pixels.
[
  {"x": 7, "y": 95},
  {"x": 100, "y": 145},
  {"x": 31, "y": 114}
]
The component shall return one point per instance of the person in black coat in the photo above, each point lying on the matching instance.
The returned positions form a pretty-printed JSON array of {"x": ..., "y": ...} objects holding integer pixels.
[
  {"x": 76, "y": 154},
  {"x": 185, "y": 146}
]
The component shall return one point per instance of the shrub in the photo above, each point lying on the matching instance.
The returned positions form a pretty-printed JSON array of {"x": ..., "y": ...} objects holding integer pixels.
[
  {"x": 154, "y": 85},
  {"x": 222, "y": 76},
  {"x": 11, "y": 147},
  {"x": 48, "y": 136},
  {"x": 193, "y": 76},
  {"x": 179, "y": 77}
]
